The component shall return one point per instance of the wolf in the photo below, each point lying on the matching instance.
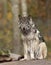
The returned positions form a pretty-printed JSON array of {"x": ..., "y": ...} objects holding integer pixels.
[{"x": 30, "y": 36}]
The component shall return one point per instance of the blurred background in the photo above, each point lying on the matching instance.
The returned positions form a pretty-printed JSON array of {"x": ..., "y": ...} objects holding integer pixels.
[{"x": 40, "y": 10}]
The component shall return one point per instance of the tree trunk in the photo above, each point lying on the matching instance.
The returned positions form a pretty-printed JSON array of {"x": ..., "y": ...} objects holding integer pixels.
[
  {"x": 16, "y": 33},
  {"x": 24, "y": 7}
]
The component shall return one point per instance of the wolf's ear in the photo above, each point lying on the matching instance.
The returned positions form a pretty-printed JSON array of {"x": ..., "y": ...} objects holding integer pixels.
[
  {"x": 19, "y": 16},
  {"x": 29, "y": 16},
  {"x": 30, "y": 19}
]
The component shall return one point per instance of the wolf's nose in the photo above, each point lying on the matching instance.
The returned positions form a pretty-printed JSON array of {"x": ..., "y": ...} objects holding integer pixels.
[{"x": 23, "y": 28}]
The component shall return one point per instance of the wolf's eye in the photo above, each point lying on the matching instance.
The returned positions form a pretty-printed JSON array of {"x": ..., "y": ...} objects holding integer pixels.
[{"x": 28, "y": 26}]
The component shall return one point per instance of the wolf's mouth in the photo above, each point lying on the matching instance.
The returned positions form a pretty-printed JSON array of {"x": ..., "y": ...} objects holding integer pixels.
[{"x": 26, "y": 31}]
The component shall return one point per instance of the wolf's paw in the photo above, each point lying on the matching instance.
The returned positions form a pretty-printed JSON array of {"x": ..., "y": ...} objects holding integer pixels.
[
  {"x": 33, "y": 58},
  {"x": 23, "y": 59},
  {"x": 40, "y": 58}
]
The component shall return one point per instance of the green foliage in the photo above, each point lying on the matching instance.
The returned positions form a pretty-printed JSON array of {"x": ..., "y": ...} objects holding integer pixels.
[{"x": 4, "y": 52}]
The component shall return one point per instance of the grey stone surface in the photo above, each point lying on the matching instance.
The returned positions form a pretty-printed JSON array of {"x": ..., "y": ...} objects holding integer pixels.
[{"x": 29, "y": 62}]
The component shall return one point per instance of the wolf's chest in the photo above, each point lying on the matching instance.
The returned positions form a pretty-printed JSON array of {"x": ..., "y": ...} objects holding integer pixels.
[{"x": 28, "y": 37}]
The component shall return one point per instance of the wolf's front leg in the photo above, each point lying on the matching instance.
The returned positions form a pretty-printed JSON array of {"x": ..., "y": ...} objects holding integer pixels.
[
  {"x": 32, "y": 50},
  {"x": 25, "y": 51},
  {"x": 32, "y": 55}
]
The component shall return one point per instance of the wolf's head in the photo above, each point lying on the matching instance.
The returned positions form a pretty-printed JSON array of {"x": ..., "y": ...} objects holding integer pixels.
[{"x": 25, "y": 24}]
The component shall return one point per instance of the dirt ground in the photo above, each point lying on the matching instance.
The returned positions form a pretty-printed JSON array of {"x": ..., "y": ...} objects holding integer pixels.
[{"x": 30, "y": 62}]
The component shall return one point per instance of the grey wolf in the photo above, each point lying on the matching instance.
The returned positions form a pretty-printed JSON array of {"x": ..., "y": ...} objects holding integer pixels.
[{"x": 33, "y": 48}]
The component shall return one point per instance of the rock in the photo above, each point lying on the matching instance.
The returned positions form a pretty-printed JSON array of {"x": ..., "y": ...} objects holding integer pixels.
[
  {"x": 4, "y": 58},
  {"x": 14, "y": 56},
  {"x": 10, "y": 57}
]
